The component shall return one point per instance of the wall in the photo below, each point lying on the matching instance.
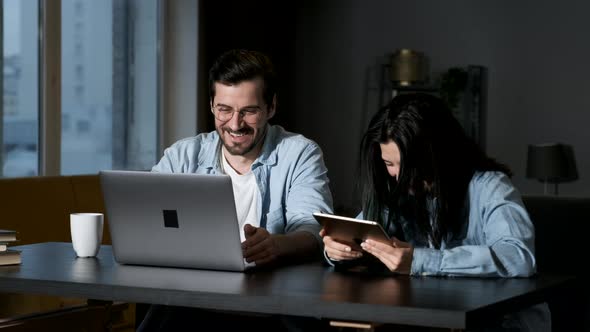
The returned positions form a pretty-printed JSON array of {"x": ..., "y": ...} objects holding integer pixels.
[
  {"x": 265, "y": 25},
  {"x": 180, "y": 74},
  {"x": 536, "y": 53}
]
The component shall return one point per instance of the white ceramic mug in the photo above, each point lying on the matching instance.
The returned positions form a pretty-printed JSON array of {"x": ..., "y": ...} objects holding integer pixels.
[{"x": 86, "y": 231}]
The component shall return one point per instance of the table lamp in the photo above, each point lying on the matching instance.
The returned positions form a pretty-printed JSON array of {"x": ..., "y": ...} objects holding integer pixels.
[
  {"x": 409, "y": 67},
  {"x": 551, "y": 163}
]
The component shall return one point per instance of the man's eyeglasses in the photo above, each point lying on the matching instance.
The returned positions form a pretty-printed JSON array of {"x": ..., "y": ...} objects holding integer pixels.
[{"x": 225, "y": 113}]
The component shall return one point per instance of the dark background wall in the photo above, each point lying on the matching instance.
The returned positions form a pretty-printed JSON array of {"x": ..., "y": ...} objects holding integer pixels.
[
  {"x": 328, "y": 53},
  {"x": 266, "y": 26}
]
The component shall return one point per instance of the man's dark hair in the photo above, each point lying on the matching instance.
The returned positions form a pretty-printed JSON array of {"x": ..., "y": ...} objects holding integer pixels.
[{"x": 236, "y": 66}]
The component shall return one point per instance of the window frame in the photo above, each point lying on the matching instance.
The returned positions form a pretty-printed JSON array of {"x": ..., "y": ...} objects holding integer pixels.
[
  {"x": 49, "y": 87},
  {"x": 178, "y": 62}
]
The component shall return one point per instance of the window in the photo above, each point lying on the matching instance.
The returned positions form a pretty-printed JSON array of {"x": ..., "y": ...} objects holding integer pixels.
[
  {"x": 78, "y": 7},
  {"x": 79, "y": 72},
  {"x": 78, "y": 49},
  {"x": 109, "y": 85},
  {"x": 83, "y": 127},
  {"x": 19, "y": 119}
]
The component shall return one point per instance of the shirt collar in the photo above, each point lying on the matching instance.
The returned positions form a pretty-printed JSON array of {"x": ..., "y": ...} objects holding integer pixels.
[
  {"x": 268, "y": 154},
  {"x": 209, "y": 154}
]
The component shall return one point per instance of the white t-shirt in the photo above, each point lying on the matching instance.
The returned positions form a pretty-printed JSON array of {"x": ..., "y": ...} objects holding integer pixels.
[{"x": 246, "y": 195}]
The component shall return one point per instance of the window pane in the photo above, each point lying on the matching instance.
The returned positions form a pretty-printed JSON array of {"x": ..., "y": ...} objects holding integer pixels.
[
  {"x": 109, "y": 85},
  {"x": 20, "y": 116}
]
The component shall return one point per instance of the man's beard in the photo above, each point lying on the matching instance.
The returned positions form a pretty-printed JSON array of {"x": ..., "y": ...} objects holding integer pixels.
[{"x": 241, "y": 151}]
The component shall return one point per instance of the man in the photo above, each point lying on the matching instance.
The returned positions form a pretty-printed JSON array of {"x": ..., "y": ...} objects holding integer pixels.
[{"x": 279, "y": 178}]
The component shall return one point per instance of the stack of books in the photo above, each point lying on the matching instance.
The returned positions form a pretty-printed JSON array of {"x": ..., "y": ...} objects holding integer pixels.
[{"x": 8, "y": 256}]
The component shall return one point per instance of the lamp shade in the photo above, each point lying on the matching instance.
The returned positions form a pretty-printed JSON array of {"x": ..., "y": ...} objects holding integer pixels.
[{"x": 551, "y": 162}]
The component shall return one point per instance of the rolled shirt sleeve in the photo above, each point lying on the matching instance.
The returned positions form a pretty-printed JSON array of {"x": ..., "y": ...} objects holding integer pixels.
[{"x": 309, "y": 192}]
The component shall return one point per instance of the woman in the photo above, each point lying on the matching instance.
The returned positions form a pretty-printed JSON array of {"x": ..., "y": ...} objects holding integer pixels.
[{"x": 450, "y": 209}]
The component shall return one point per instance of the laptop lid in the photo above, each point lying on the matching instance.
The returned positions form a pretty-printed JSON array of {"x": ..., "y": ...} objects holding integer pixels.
[{"x": 172, "y": 219}]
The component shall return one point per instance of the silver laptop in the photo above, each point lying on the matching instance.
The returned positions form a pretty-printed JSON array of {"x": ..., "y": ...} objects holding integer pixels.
[{"x": 175, "y": 220}]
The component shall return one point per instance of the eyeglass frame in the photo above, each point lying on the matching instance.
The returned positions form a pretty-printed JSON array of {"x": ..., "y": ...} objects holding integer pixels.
[{"x": 243, "y": 113}]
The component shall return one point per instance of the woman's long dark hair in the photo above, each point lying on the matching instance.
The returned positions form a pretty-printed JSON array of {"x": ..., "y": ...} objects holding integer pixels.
[{"x": 434, "y": 150}]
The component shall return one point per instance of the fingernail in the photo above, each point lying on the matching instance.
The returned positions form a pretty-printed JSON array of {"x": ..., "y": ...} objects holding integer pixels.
[
  {"x": 347, "y": 249},
  {"x": 359, "y": 254},
  {"x": 363, "y": 244}
]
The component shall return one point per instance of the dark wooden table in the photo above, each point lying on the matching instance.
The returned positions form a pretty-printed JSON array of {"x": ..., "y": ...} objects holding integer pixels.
[{"x": 311, "y": 290}]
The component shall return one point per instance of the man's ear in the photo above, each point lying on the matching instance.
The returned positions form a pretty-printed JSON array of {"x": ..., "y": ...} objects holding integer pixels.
[{"x": 273, "y": 108}]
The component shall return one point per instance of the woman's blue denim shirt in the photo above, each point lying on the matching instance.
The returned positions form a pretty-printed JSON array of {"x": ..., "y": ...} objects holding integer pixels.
[{"x": 497, "y": 238}]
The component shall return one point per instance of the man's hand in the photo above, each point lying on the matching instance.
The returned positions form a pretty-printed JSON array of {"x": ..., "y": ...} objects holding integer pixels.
[
  {"x": 260, "y": 246},
  {"x": 397, "y": 256},
  {"x": 336, "y": 250}
]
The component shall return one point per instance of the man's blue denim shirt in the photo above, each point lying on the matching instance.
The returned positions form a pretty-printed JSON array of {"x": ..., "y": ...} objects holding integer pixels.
[{"x": 290, "y": 171}]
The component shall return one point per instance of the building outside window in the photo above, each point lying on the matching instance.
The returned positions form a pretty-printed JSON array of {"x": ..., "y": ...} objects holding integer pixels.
[
  {"x": 20, "y": 81},
  {"x": 109, "y": 86}
]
